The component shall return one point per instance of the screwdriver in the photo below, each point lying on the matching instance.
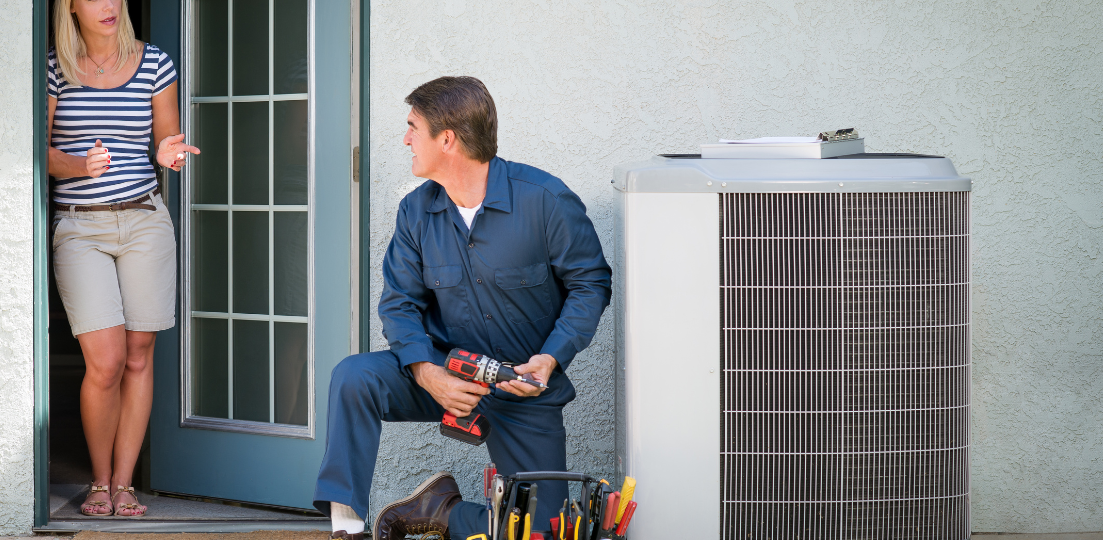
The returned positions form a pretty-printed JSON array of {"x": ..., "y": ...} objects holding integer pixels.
[
  {"x": 488, "y": 491},
  {"x": 626, "y": 492},
  {"x": 628, "y": 512}
]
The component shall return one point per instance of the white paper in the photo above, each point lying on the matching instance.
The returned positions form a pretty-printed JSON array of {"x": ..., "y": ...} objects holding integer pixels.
[{"x": 773, "y": 140}]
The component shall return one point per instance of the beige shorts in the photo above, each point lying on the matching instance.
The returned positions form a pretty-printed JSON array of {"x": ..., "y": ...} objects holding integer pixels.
[{"x": 116, "y": 268}]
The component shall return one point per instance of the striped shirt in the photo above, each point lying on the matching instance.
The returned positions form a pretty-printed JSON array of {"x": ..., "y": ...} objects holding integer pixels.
[{"x": 122, "y": 118}]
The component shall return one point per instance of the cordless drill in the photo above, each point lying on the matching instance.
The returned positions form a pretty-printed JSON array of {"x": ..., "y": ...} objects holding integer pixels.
[{"x": 483, "y": 371}]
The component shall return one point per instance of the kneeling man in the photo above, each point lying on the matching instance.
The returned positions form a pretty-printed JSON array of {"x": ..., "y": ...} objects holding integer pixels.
[{"x": 497, "y": 258}]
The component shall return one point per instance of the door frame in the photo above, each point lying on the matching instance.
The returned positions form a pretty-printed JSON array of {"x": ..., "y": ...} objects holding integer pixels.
[
  {"x": 364, "y": 142},
  {"x": 40, "y": 233},
  {"x": 40, "y": 299}
]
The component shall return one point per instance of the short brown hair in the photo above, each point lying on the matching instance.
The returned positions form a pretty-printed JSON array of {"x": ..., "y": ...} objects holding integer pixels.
[{"x": 463, "y": 105}]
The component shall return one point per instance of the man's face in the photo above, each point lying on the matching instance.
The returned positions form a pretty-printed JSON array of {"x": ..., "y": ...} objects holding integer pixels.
[{"x": 428, "y": 152}]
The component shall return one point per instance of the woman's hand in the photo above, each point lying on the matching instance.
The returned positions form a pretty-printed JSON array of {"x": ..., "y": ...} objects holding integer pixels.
[
  {"x": 97, "y": 161},
  {"x": 172, "y": 152}
]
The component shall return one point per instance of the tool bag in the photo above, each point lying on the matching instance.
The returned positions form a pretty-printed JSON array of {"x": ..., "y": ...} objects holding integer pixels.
[{"x": 515, "y": 482}]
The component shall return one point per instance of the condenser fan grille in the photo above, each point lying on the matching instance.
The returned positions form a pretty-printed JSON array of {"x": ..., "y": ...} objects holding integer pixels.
[{"x": 846, "y": 365}]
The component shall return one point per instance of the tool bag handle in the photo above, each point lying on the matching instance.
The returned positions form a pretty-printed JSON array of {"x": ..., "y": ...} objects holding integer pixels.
[
  {"x": 552, "y": 475},
  {"x": 513, "y": 480}
]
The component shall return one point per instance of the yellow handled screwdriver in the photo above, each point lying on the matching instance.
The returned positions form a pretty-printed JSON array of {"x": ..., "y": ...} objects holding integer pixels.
[{"x": 626, "y": 492}]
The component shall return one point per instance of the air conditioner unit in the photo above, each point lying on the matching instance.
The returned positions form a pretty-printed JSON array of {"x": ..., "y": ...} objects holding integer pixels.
[{"x": 793, "y": 347}]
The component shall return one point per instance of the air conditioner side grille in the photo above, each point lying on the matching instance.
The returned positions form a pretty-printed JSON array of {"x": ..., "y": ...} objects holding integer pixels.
[{"x": 845, "y": 352}]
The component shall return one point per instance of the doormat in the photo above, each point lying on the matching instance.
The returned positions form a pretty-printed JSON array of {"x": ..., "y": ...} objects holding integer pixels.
[{"x": 255, "y": 535}]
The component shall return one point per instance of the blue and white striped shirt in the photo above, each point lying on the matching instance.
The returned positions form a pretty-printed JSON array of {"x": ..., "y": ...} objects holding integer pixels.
[{"x": 122, "y": 118}]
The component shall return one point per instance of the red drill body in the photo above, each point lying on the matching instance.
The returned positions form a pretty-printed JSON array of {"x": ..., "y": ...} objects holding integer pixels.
[{"x": 484, "y": 371}]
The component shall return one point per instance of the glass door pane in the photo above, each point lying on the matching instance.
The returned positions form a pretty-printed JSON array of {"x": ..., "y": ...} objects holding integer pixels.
[
  {"x": 292, "y": 375},
  {"x": 210, "y": 376},
  {"x": 248, "y": 357}
]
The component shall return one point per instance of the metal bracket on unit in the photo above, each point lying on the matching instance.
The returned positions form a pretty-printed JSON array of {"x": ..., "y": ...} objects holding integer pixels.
[
  {"x": 356, "y": 164},
  {"x": 838, "y": 135}
]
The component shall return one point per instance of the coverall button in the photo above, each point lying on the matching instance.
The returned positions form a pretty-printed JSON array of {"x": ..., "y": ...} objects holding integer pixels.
[
  {"x": 488, "y": 316},
  {"x": 438, "y": 282},
  {"x": 523, "y": 282},
  {"x": 471, "y": 245},
  {"x": 479, "y": 281}
]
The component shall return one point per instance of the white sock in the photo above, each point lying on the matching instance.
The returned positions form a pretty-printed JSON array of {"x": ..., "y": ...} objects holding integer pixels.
[{"x": 345, "y": 519}]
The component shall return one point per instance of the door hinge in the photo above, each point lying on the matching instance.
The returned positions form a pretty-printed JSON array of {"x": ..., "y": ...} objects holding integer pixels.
[{"x": 356, "y": 164}]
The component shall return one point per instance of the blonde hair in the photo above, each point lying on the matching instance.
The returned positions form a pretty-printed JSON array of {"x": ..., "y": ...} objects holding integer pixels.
[{"x": 70, "y": 47}]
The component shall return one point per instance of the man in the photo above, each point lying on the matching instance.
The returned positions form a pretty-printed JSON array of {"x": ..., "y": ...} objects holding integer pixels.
[{"x": 494, "y": 257}]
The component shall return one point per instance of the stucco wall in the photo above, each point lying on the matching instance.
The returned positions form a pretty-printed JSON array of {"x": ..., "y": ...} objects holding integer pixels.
[
  {"x": 16, "y": 262},
  {"x": 1011, "y": 91}
]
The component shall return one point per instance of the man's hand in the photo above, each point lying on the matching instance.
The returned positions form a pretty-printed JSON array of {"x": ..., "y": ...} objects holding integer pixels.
[
  {"x": 540, "y": 366},
  {"x": 456, "y": 395}
]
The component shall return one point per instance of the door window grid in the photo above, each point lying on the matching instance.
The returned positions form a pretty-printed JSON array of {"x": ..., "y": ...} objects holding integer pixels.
[{"x": 270, "y": 209}]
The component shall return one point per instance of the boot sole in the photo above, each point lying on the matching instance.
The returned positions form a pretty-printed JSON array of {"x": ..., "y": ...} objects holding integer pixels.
[{"x": 415, "y": 494}]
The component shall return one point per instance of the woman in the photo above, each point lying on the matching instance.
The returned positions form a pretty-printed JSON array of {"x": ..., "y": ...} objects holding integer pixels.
[{"x": 114, "y": 248}]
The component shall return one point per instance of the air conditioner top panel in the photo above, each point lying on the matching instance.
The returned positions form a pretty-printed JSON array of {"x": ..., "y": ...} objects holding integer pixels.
[{"x": 887, "y": 173}]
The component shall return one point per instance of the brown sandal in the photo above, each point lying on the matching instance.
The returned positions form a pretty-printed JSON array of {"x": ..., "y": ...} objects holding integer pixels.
[
  {"x": 136, "y": 510},
  {"x": 89, "y": 508}
]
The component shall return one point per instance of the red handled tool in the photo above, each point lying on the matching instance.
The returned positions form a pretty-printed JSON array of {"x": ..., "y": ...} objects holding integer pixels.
[
  {"x": 629, "y": 510},
  {"x": 483, "y": 371},
  {"x": 608, "y": 521}
]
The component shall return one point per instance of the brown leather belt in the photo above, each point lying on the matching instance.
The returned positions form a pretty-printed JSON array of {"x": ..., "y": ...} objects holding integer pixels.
[{"x": 114, "y": 207}]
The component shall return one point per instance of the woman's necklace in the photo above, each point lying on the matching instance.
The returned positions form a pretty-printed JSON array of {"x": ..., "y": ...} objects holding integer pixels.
[{"x": 99, "y": 65}]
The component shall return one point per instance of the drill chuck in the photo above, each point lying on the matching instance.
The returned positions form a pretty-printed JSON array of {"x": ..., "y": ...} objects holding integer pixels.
[{"x": 482, "y": 369}]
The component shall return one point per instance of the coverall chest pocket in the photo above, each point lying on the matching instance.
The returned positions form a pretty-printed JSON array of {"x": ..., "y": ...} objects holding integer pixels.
[
  {"x": 451, "y": 297},
  {"x": 525, "y": 289}
]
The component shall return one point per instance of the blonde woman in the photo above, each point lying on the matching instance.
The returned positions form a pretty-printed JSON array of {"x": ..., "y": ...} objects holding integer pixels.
[{"x": 114, "y": 247}]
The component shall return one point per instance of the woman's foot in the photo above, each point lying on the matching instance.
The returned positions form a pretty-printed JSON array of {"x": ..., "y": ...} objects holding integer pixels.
[
  {"x": 126, "y": 504},
  {"x": 98, "y": 502}
]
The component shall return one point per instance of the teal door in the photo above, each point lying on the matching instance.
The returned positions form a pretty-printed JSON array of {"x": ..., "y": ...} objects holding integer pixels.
[{"x": 265, "y": 248}]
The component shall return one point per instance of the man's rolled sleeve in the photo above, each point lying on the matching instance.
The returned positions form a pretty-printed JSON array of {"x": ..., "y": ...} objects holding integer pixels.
[
  {"x": 577, "y": 260},
  {"x": 405, "y": 297}
]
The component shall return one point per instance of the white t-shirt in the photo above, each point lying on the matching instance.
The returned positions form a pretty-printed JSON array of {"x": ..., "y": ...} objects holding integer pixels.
[{"x": 468, "y": 214}]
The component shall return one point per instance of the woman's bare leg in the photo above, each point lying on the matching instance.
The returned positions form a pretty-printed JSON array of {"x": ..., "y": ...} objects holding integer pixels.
[
  {"x": 105, "y": 354},
  {"x": 137, "y": 401}
]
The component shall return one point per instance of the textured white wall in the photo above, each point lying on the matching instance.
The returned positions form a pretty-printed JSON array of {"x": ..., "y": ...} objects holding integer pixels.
[
  {"x": 16, "y": 265},
  {"x": 1011, "y": 91}
]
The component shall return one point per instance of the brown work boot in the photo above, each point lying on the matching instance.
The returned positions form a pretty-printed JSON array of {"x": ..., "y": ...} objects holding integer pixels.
[
  {"x": 342, "y": 535},
  {"x": 424, "y": 511}
]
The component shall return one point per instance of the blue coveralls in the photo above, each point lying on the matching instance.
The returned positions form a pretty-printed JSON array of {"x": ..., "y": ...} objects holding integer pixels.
[{"x": 529, "y": 277}]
